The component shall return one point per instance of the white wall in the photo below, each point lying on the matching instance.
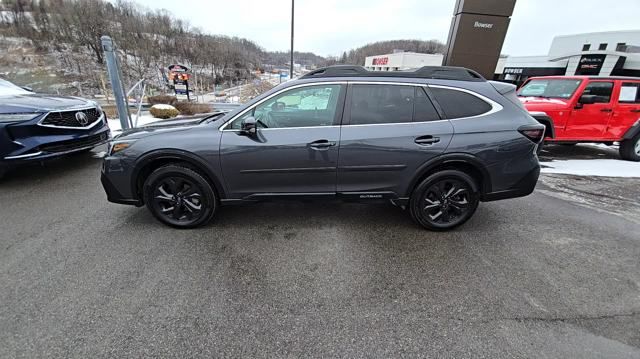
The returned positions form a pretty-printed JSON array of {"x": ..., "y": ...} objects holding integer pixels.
[{"x": 572, "y": 44}]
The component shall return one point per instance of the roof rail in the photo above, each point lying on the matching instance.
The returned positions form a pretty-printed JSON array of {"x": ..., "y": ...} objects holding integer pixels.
[{"x": 426, "y": 72}]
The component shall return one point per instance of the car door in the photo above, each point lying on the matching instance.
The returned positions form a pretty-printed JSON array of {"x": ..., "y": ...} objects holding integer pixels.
[
  {"x": 627, "y": 110},
  {"x": 389, "y": 130},
  {"x": 295, "y": 147},
  {"x": 589, "y": 121}
]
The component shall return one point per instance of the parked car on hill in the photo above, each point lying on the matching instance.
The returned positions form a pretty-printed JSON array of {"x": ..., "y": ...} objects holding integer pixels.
[
  {"x": 35, "y": 127},
  {"x": 437, "y": 141},
  {"x": 578, "y": 109}
]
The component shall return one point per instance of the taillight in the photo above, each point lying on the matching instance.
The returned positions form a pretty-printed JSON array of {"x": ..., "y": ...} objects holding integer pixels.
[{"x": 534, "y": 134}]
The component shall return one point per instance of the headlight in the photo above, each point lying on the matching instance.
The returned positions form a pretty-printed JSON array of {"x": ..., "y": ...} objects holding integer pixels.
[
  {"x": 98, "y": 108},
  {"x": 119, "y": 146},
  {"x": 17, "y": 117}
]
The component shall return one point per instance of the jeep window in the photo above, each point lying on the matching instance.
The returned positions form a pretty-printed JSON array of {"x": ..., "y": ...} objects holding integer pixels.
[
  {"x": 629, "y": 92},
  {"x": 300, "y": 107},
  {"x": 551, "y": 88},
  {"x": 602, "y": 91},
  {"x": 423, "y": 109},
  {"x": 459, "y": 104},
  {"x": 376, "y": 104}
]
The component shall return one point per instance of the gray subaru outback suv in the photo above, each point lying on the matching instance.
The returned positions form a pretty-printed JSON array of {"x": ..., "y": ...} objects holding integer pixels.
[{"x": 436, "y": 141}]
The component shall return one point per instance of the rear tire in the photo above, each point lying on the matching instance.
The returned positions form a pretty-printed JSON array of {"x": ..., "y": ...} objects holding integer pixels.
[
  {"x": 444, "y": 200},
  {"x": 179, "y": 197},
  {"x": 630, "y": 149}
]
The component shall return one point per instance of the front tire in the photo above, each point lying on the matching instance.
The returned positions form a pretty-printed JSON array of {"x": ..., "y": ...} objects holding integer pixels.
[
  {"x": 444, "y": 200},
  {"x": 179, "y": 197},
  {"x": 630, "y": 149}
]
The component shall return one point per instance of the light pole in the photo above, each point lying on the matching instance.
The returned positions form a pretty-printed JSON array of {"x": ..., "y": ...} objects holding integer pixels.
[{"x": 292, "y": 13}]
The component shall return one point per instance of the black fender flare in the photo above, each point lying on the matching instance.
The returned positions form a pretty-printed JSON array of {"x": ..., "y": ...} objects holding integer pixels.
[
  {"x": 452, "y": 159},
  {"x": 179, "y": 156},
  {"x": 632, "y": 131},
  {"x": 547, "y": 121}
]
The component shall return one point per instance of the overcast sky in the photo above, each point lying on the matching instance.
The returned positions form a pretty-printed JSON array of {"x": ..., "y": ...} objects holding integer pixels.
[{"x": 328, "y": 27}]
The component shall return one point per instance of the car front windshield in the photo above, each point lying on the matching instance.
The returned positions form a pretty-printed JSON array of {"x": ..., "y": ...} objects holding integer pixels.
[
  {"x": 549, "y": 88},
  {"x": 9, "y": 89}
]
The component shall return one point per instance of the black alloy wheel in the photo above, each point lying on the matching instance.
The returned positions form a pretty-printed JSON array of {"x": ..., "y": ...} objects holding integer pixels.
[
  {"x": 444, "y": 200},
  {"x": 179, "y": 197}
]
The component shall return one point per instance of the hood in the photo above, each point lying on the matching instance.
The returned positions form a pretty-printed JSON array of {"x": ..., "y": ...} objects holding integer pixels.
[
  {"x": 167, "y": 126},
  {"x": 40, "y": 103},
  {"x": 543, "y": 104}
]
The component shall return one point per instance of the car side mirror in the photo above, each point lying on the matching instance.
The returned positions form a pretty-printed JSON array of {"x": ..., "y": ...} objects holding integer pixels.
[
  {"x": 249, "y": 126},
  {"x": 587, "y": 99}
]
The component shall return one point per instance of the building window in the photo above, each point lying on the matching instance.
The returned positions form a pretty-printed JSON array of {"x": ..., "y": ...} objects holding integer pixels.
[
  {"x": 586, "y": 47},
  {"x": 621, "y": 46},
  {"x": 602, "y": 47}
]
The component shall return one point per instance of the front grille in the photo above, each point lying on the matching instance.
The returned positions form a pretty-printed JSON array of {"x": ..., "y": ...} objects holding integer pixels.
[
  {"x": 71, "y": 118},
  {"x": 71, "y": 145}
]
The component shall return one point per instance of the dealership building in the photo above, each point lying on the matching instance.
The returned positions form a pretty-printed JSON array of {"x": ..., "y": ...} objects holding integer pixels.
[
  {"x": 402, "y": 61},
  {"x": 615, "y": 53}
]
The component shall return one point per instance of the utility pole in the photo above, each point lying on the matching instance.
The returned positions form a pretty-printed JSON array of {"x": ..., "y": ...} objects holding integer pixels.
[
  {"x": 116, "y": 83},
  {"x": 292, "y": 14}
]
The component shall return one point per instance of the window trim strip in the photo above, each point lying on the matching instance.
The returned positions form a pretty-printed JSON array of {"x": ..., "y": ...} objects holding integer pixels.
[{"x": 495, "y": 107}]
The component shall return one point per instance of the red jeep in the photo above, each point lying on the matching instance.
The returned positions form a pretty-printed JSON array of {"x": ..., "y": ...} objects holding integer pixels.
[{"x": 587, "y": 109}]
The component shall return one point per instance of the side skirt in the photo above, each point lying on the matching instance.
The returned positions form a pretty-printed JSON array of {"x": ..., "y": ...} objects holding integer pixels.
[{"x": 361, "y": 197}]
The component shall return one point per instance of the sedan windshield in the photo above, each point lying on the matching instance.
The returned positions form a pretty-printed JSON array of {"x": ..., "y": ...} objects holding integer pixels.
[{"x": 550, "y": 88}]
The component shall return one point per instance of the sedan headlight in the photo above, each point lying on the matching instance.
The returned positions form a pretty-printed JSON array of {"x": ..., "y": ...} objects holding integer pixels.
[{"x": 17, "y": 117}]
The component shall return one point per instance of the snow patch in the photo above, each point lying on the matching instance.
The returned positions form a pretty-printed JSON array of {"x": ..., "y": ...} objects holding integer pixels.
[
  {"x": 598, "y": 167},
  {"x": 162, "y": 106},
  {"x": 114, "y": 123}
]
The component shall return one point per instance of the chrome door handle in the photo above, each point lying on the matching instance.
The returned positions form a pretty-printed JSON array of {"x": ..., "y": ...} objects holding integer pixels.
[
  {"x": 427, "y": 140},
  {"x": 322, "y": 144}
]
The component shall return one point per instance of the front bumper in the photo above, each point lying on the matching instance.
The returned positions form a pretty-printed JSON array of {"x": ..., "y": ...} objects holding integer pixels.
[{"x": 20, "y": 146}]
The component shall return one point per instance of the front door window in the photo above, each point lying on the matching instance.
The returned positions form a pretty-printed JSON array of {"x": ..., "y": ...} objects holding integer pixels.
[{"x": 300, "y": 107}]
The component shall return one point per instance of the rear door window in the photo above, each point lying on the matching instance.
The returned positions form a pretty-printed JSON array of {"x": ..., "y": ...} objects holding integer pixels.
[
  {"x": 380, "y": 104},
  {"x": 629, "y": 93},
  {"x": 377, "y": 104},
  {"x": 459, "y": 104},
  {"x": 423, "y": 109}
]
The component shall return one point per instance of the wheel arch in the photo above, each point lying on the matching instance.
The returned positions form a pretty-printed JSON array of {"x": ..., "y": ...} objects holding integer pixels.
[
  {"x": 632, "y": 131},
  {"x": 463, "y": 162},
  {"x": 155, "y": 159}
]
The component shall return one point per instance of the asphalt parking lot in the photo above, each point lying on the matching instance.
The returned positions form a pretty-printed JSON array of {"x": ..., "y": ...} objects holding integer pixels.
[{"x": 546, "y": 276}]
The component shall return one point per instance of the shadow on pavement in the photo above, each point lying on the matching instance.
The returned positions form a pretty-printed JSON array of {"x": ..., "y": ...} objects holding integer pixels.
[
  {"x": 52, "y": 169},
  {"x": 578, "y": 152}
]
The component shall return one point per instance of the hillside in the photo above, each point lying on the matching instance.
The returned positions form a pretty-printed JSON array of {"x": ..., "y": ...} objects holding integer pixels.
[{"x": 54, "y": 46}]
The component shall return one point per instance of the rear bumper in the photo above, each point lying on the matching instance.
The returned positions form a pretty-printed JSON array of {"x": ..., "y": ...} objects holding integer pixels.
[{"x": 522, "y": 188}]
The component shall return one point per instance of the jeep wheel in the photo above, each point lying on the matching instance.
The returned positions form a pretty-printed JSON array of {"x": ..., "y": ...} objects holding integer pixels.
[
  {"x": 179, "y": 196},
  {"x": 444, "y": 200},
  {"x": 630, "y": 149}
]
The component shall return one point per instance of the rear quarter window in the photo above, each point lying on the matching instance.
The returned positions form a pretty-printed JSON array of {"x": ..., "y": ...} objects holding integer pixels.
[{"x": 458, "y": 104}]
